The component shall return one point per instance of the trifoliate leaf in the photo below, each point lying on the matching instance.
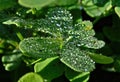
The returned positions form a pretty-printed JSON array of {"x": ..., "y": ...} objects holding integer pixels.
[
  {"x": 37, "y": 47},
  {"x": 76, "y": 59},
  {"x": 50, "y": 68},
  {"x": 31, "y": 77}
]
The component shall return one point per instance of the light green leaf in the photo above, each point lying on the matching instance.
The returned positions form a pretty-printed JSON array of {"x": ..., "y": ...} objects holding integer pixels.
[
  {"x": 98, "y": 58},
  {"x": 49, "y": 69},
  {"x": 31, "y": 77},
  {"x": 117, "y": 10},
  {"x": 77, "y": 76},
  {"x": 37, "y": 47},
  {"x": 4, "y": 4},
  {"x": 35, "y": 3},
  {"x": 93, "y": 10},
  {"x": 64, "y": 2},
  {"x": 76, "y": 59}
]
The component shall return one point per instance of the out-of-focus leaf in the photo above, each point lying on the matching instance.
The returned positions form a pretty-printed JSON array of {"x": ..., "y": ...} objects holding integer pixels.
[
  {"x": 35, "y": 3},
  {"x": 113, "y": 33},
  {"x": 76, "y": 59},
  {"x": 77, "y": 76},
  {"x": 4, "y": 4},
  {"x": 98, "y": 58},
  {"x": 37, "y": 47},
  {"x": 31, "y": 77},
  {"x": 117, "y": 64},
  {"x": 93, "y": 10},
  {"x": 50, "y": 68},
  {"x": 117, "y": 10},
  {"x": 64, "y": 2},
  {"x": 100, "y": 2},
  {"x": 7, "y": 33},
  {"x": 11, "y": 62}
]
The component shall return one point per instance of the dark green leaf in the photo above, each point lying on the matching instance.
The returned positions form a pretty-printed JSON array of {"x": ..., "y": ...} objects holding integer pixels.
[
  {"x": 82, "y": 30},
  {"x": 117, "y": 64},
  {"x": 4, "y": 4},
  {"x": 11, "y": 62},
  {"x": 76, "y": 59},
  {"x": 98, "y": 58},
  {"x": 113, "y": 33},
  {"x": 37, "y": 47},
  {"x": 100, "y": 2},
  {"x": 50, "y": 68},
  {"x": 31, "y": 77},
  {"x": 61, "y": 18},
  {"x": 77, "y": 76}
]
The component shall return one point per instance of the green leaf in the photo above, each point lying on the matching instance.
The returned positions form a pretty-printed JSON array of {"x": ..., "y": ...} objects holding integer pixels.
[
  {"x": 37, "y": 47},
  {"x": 82, "y": 31},
  {"x": 98, "y": 58},
  {"x": 31, "y": 77},
  {"x": 35, "y": 4},
  {"x": 76, "y": 59},
  {"x": 61, "y": 18},
  {"x": 117, "y": 10},
  {"x": 64, "y": 2},
  {"x": 36, "y": 25},
  {"x": 113, "y": 33},
  {"x": 4, "y": 4},
  {"x": 49, "y": 69},
  {"x": 91, "y": 42},
  {"x": 77, "y": 76},
  {"x": 117, "y": 64},
  {"x": 93, "y": 10},
  {"x": 11, "y": 62},
  {"x": 100, "y": 2}
]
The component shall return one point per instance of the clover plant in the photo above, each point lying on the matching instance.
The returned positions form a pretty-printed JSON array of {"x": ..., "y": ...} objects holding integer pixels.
[{"x": 55, "y": 44}]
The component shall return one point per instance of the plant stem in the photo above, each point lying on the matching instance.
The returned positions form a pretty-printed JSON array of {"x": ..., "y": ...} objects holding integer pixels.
[
  {"x": 96, "y": 20},
  {"x": 19, "y": 35}
]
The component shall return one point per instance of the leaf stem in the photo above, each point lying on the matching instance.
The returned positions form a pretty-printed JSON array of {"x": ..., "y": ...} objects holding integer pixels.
[
  {"x": 96, "y": 20},
  {"x": 19, "y": 35}
]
